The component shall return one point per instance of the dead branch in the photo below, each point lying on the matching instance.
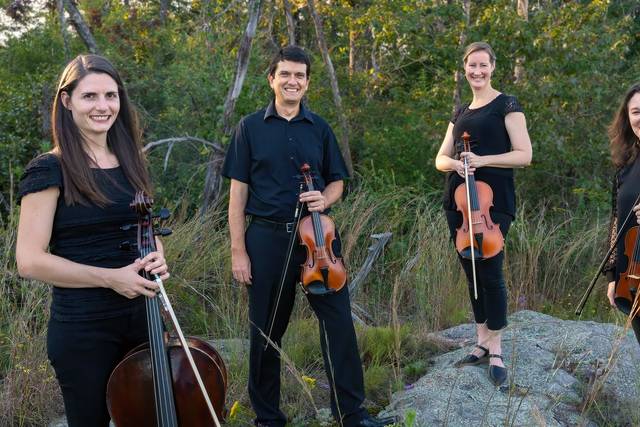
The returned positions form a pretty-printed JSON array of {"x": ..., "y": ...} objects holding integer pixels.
[
  {"x": 333, "y": 80},
  {"x": 81, "y": 27},
  {"x": 380, "y": 241},
  {"x": 151, "y": 145}
]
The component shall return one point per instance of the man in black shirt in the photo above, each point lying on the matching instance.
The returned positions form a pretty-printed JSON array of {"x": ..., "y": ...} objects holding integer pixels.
[{"x": 263, "y": 162}]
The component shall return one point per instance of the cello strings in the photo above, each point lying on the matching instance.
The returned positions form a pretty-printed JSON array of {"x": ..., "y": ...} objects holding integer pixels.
[
  {"x": 152, "y": 332},
  {"x": 164, "y": 401}
]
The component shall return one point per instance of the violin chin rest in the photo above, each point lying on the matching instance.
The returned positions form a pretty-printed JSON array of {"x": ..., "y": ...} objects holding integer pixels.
[
  {"x": 317, "y": 288},
  {"x": 466, "y": 254}
]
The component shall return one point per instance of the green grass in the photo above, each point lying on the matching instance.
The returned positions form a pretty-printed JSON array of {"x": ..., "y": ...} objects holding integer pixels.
[{"x": 415, "y": 287}]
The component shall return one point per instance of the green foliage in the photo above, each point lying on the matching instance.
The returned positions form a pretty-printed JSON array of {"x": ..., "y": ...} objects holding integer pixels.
[{"x": 398, "y": 93}]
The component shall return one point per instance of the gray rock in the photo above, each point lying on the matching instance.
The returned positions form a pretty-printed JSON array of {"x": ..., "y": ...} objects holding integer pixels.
[{"x": 554, "y": 367}]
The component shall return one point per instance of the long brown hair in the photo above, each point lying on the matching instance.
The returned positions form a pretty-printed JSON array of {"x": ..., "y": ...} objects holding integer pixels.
[
  {"x": 622, "y": 141},
  {"x": 124, "y": 138}
]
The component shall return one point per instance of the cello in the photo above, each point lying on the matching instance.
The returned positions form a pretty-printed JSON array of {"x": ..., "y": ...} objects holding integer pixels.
[
  {"x": 478, "y": 237},
  {"x": 166, "y": 382}
]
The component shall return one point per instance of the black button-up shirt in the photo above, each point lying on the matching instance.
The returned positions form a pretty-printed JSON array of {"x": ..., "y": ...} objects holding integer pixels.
[{"x": 267, "y": 151}]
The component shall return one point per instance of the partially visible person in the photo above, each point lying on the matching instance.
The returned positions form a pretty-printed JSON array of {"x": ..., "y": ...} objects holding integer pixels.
[
  {"x": 624, "y": 137},
  {"x": 499, "y": 143},
  {"x": 74, "y": 202}
]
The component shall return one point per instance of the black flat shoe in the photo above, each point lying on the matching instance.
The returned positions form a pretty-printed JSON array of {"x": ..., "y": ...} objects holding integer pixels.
[
  {"x": 368, "y": 421},
  {"x": 497, "y": 374},
  {"x": 472, "y": 359}
]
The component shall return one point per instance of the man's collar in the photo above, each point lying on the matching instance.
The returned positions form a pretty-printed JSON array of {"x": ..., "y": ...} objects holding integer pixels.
[{"x": 304, "y": 112}]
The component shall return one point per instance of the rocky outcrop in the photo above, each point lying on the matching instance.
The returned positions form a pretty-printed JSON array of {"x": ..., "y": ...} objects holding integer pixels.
[{"x": 556, "y": 368}]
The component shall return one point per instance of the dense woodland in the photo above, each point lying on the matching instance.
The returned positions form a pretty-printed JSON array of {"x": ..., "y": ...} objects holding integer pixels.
[
  {"x": 386, "y": 75},
  {"x": 396, "y": 65}
]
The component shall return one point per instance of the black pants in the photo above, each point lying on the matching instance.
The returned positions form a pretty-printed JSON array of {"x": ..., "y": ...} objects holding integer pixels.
[
  {"x": 491, "y": 305},
  {"x": 267, "y": 245},
  {"x": 83, "y": 354},
  {"x": 635, "y": 324}
]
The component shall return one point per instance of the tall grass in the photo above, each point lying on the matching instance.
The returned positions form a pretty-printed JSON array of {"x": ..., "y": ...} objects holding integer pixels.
[{"x": 416, "y": 287}]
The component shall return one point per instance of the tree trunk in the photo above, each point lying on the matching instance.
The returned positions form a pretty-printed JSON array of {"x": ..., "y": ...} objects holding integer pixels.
[
  {"x": 273, "y": 40},
  {"x": 81, "y": 26},
  {"x": 164, "y": 10},
  {"x": 291, "y": 26},
  {"x": 213, "y": 180},
  {"x": 337, "y": 100},
  {"x": 352, "y": 51},
  {"x": 63, "y": 29},
  {"x": 458, "y": 77},
  {"x": 242, "y": 63},
  {"x": 518, "y": 70}
]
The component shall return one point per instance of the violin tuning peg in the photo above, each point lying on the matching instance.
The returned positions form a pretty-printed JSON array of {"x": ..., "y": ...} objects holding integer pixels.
[
  {"x": 163, "y": 232},
  {"x": 164, "y": 214}
]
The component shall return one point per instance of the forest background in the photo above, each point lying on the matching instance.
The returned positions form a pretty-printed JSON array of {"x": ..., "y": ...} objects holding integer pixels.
[{"x": 386, "y": 74}]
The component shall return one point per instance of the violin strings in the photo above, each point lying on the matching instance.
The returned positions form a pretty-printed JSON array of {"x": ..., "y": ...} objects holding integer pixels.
[
  {"x": 315, "y": 217},
  {"x": 636, "y": 254}
]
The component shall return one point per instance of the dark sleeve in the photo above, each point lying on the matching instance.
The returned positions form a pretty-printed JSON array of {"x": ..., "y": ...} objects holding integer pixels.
[
  {"x": 41, "y": 173},
  {"x": 333, "y": 165},
  {"x": 237, "y": 162},
  {"x": 511, "y": 105},
  {"x": 457, "y": 112},
  {"x": 610, "y": 267}
]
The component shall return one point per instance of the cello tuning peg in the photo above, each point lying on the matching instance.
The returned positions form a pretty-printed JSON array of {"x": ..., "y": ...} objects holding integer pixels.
[{"x": 127, "y": 245}]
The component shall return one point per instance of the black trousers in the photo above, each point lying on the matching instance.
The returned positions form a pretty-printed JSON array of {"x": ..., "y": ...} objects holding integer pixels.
[
  {"x": 267, "y": 245},
  {"x": 491, "y": 305},
  {"x": 83, "y": 354}
]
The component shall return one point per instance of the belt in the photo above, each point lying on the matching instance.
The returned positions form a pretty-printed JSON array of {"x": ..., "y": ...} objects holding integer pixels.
[{"x": 288, "y": 226}]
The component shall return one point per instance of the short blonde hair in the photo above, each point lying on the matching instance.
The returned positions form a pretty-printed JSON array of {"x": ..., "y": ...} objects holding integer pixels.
[{"x": 478, "y": 46}]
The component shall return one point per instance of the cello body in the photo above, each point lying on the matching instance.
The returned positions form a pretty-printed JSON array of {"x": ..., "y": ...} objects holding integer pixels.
[{"x": 130, "y": 389}]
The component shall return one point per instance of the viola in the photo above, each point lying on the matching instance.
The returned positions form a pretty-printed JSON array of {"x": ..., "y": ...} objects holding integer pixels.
[
  {"x": 478, "y": 237},
  {"x": 168, "y": 381},
  {"x": 322, "y": 272},
  {"x": 626, "y": 294}
]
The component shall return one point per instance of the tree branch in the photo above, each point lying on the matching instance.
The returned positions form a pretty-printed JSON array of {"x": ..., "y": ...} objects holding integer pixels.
[
  {"x": 150, "y": 145},
  {"x": 81, "y": 26}
]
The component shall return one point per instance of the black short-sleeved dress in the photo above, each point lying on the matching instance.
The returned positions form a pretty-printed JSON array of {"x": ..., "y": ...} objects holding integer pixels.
[
  {"x": 88, "y": 235},
  {"x": 489, "y": 136}
]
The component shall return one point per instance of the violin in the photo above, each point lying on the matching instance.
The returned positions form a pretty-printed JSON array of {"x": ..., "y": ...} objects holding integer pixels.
[
  {"x": 478, "y": 237},
  {"x": 168, "y": 381},
  {"x": 626, "y": 293},
  {"x": 322, "y": 272}
]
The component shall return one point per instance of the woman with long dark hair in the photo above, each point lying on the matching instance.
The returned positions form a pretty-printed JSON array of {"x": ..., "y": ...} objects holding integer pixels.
[
  {"x": 74, "y": 202},
  {"x": 499, "y": 143},
  {"x": 624, "y": 137}
]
